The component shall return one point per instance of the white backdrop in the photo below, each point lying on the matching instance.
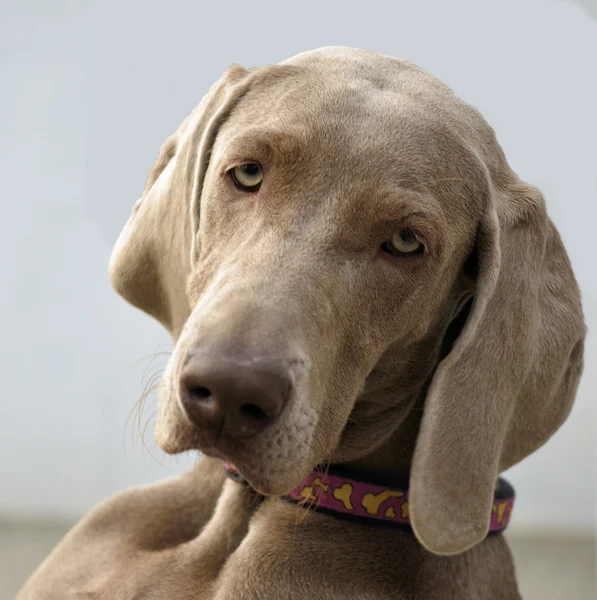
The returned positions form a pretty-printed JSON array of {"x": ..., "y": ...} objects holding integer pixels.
[{"x": 89, "y": 92}]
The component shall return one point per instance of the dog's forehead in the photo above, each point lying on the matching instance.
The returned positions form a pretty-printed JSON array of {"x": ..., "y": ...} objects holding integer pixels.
[
  {"x": 353, "y": 83},
  {"x": 357, "y": 102},
  {"x": 344, "y": 98},
  {"x": 386, "y": 119}
]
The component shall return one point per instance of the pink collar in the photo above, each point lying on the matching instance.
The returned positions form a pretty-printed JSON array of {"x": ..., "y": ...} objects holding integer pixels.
[{"x": 338, "y": 492}]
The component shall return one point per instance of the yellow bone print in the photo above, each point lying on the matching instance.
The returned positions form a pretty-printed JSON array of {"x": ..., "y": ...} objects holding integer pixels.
[
  {"x": 404, "y": 510},
  {"x": 391, "y": 513},
  {"x": 500, "y": 511},
  {"x": 372, "y": 502},
  {"x": 344, "y": 494},
  {"x": 307, "y": 491}
]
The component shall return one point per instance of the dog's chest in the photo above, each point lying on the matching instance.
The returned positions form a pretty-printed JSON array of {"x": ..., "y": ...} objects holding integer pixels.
[{"x": 292, "y": 555}]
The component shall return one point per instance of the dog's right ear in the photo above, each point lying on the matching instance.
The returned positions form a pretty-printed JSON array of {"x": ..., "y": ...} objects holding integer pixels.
[
  {"x": 509, "y": 381},
  {"x": 152, "y": 258}
]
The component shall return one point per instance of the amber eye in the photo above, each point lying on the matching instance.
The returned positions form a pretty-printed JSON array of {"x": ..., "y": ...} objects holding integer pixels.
[
  {"x": 247, "y": 177},
  {"x": 403, "y": 243}
]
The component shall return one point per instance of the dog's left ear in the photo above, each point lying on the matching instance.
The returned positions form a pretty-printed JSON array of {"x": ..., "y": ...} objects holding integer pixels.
[
  {"x": 152, "y": 258},
  {"x": 510, "y": 380}
]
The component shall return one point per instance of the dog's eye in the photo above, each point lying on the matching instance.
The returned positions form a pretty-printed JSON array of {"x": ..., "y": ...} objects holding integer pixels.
[
  {"x": 403, "y": 243},
  {"x": 247, "y": 177}
]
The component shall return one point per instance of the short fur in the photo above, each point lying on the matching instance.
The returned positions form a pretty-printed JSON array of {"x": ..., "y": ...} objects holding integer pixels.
[{"x": 354, "y": 146}]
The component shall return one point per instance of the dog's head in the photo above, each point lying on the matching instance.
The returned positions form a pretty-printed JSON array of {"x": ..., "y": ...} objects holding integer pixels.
[{"x": 335, "y": 242}]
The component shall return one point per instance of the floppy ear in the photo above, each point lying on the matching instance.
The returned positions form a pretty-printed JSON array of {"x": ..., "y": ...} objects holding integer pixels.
[
  {"x": 152, "y": 257},
  {"x": 510, "y": 380}
]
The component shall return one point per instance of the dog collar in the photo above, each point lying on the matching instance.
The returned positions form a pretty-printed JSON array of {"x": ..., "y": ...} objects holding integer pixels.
[{"x": 371, "y": 499}]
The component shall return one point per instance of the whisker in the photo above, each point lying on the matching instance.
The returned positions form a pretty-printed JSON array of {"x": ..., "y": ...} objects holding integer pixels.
[
  {"x": 150, "y": 381},
  {"x": 352, "y": 420},
  {"x": 137, "y": 411},
  {"x": 153, "y": 356},
  {"x": 276, "y": 110}
]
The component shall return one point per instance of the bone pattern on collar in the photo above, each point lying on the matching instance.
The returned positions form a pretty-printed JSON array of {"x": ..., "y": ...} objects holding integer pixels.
[{"x": 332, "y": 492}]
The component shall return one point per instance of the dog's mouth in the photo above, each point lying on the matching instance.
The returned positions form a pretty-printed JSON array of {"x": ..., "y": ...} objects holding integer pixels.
[
  {"x": 274, "y": 461},
  {"x": 265, "y": 477}
]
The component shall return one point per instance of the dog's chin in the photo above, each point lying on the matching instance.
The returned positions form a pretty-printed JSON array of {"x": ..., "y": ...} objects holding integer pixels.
[{"x": 265, "y": 474}]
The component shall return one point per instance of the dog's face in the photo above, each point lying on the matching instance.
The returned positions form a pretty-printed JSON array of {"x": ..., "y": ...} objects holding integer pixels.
[
  {"x": 321, "y": 247},
  {"x": 304, "y": 237}
]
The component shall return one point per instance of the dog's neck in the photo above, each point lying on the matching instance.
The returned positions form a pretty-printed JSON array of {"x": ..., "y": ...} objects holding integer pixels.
[
  {"x": 404, "y": 391},
  {"x": 395, "y": 454}
]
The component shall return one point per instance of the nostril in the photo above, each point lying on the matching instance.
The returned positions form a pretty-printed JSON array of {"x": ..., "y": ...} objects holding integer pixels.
[
  {"x": 253, "y": 412},
  {"x": 232, "y": 395},
  {"x": 199, "y": 393}
]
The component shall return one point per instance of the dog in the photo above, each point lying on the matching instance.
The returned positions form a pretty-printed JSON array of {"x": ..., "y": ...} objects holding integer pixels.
[{"x": 353, "y": 276}]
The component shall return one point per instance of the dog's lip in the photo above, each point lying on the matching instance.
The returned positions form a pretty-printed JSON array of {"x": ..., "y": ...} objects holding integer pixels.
[
  {"x": 250, "y": 470},
  {"x": 229, "y": 456}
]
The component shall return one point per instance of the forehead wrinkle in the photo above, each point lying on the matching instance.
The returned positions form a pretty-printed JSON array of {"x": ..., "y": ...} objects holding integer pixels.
[
  {"x": 405, "y": 202},
  {"x": 265, "y": 143},
  {"x": 386, "y": 208}
]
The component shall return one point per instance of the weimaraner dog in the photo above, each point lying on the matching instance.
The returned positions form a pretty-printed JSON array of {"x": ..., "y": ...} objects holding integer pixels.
[{"x": 361, "y": 293}]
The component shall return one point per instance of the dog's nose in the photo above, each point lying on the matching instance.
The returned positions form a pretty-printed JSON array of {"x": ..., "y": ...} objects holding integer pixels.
[{"x": 231, "y": 396}]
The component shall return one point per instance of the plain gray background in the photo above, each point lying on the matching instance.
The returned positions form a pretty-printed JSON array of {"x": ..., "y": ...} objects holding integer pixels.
[{"x": 89, "y": 91}]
